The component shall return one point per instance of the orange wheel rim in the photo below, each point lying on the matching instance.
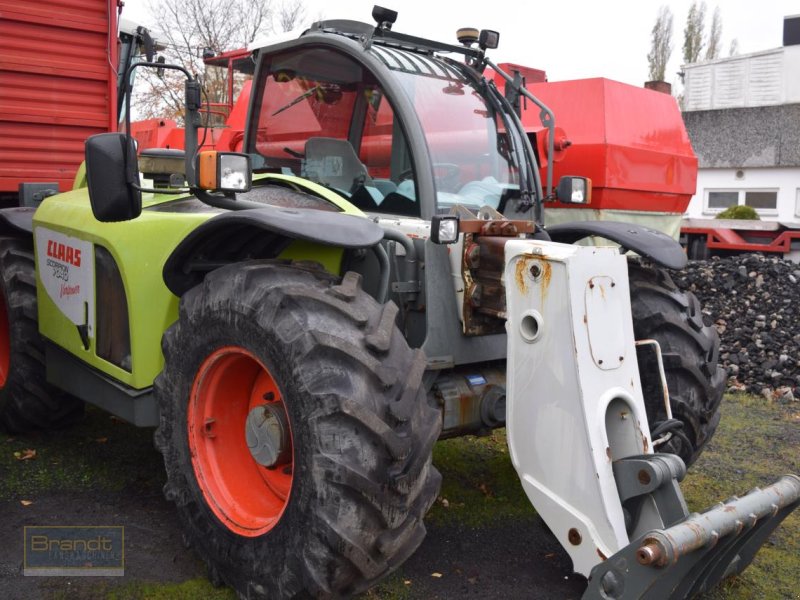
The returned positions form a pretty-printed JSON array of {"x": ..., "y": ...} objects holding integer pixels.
[
  {"x": 231, "y": 390},
  {"x": 5, "y": 341}
]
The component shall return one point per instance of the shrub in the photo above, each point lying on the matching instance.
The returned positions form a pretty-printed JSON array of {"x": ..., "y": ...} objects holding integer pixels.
[{"x": 739, "y": 212}]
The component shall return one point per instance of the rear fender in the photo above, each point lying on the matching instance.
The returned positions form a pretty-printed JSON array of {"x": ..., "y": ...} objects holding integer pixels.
[
  {"x": 265, "y": 233},
  {"x": 15, "y": 221},
  {"x": 650, "y": 243}
]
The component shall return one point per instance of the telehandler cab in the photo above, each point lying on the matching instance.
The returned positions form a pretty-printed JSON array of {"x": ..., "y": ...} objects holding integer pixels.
[{"x": 302, "y": 322}]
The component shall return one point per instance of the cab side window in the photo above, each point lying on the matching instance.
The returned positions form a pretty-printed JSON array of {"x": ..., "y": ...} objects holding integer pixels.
[{"x": 323, "y": 117}]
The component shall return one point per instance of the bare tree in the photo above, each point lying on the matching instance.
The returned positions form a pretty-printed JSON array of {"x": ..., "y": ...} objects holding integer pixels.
[
  {"x": 693, "y": 33},
  {"x": 661, "y": 44},
  {"x": 714, "y": 46},
  {"x": 291, "y": 14},
  {"x": 190, "y": 29},
  {"x": 734, "y": 48}
]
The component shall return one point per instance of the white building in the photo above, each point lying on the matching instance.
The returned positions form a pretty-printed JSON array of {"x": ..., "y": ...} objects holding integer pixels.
[{"x": 743, "y": 117}]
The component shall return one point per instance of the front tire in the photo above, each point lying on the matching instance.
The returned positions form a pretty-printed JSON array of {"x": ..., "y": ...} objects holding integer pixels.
[
  {"x": 27, "y": 401},
  {"x": 341, "y": 502},
  {"x": 690, "y": 352}
]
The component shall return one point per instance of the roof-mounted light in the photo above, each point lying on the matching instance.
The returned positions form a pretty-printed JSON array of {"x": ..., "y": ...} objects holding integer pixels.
[
  {"x": 489, "y": 39},
  {"x": 384, "y": 17}
]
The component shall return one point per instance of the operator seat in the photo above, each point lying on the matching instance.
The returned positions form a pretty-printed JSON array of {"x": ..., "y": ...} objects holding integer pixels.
[{"x": 334, "y": 162}]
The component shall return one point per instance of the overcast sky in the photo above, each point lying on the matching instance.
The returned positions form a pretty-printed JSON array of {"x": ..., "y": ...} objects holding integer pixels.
[{"x": 570, "y": 39}]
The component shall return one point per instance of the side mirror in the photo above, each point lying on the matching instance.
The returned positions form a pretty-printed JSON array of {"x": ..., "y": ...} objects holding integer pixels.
[
  {"x": 224, "y": 171},
  {"x": 574, "y": 190},
  {"x": 111, "y": 176}
]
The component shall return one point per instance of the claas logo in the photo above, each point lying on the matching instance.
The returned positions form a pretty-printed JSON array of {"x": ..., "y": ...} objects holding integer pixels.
[{"x": 64, "y": 253}]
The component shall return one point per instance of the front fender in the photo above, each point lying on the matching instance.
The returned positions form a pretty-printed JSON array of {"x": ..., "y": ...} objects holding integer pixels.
[
  {"x": 650, "y": 243},
  {"x": 261, "y": 233}
]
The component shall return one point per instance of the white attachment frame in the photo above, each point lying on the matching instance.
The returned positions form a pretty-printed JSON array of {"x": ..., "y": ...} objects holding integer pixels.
[{"x": 574, "y": 399}]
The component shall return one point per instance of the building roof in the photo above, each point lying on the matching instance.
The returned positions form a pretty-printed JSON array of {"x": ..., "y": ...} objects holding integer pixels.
[{"x": 766, "y": 136}]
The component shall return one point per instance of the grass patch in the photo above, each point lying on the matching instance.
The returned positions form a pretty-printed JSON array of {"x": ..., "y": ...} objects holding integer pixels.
[
  {"x": 188, "y": 590},
  {"x": 191, "y": 589},
  {"x": 101, "y": 453},
  {"x": 479, "y": 483},
  {"x": 755, "y": 444},
  {"x": 391, "y": 588}
]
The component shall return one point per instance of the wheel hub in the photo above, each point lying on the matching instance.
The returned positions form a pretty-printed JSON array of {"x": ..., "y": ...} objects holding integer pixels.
[
  {"x": 267, "y": 434},
  {"x": 240, "y": 441}
]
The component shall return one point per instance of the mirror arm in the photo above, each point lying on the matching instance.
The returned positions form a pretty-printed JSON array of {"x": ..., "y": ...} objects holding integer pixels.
[
  {"x": 193, "y": 103},
  {"x": 547, "y": 119},
  {"x": 193, "y": 121},
  {"x": 128, "y": 93}
]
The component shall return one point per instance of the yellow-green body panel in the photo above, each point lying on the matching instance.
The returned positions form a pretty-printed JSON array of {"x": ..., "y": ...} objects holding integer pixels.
[
  {"x": 140, "y": 248},
  {"x": 80, "y": 177}
]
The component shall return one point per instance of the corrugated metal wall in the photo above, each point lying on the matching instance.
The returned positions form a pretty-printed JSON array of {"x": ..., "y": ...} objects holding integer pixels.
[{"x": 56, "y": 86}]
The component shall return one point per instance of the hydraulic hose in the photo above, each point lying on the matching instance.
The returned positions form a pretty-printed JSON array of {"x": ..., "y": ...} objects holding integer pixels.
[{"x": 383, "y": 261}]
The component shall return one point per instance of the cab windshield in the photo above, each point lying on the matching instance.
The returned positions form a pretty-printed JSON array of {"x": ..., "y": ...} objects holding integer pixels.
[
  {"x": 473, "y": 164},
  {"x": 323, "y": 116}
]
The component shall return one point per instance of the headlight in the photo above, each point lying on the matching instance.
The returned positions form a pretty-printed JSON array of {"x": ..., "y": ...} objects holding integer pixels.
[
  {"x": 574, "y": 190},
  {"x": 234, "y": 172},
  {"x": 444, "y": 229},
  {"x": 224, "y": 171}
]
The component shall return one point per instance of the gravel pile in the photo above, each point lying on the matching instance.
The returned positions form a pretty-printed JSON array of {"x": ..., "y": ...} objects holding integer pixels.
[{"x": 755, "y": 304}]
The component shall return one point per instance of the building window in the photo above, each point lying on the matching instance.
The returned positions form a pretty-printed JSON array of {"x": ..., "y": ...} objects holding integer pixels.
[
  {"x": 764, "y": 201},
  {"x": 761, "y": 200},
  {"x": 722, "y": 200}
]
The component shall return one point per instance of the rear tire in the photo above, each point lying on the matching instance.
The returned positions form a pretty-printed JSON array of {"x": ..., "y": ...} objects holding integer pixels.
[
  {"x": 697, "y": 248},
  {"x": 361, "y": 431},
  {"x": 27, "y": 401},
  {"x": 690, "y": 352}
]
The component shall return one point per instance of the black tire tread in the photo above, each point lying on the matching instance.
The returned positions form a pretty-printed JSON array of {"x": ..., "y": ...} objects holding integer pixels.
[
  {"x": 28, "y": 402},
  {"x": 690, "y": 352}
]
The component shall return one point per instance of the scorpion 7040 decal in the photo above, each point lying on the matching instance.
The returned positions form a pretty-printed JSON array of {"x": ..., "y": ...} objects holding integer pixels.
[{"x": 66, "y": 270}]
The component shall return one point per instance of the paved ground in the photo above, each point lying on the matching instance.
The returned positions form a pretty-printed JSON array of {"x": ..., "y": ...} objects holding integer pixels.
[
  {"x": 508, "y": 561},
  {"x": 105, "y": 472}
]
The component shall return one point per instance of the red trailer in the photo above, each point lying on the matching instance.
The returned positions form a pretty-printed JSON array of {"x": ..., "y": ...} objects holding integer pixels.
[
  {"x": 704, "y": 238},
  {"x": 58, "y": 86}
]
